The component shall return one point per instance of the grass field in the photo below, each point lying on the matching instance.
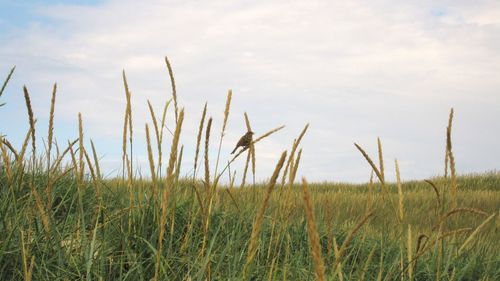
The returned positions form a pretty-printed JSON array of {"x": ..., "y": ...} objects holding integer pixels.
[{"x": 61, "y": 220}]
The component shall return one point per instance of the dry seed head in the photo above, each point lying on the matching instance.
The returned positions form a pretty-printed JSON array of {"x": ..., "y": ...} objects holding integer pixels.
[
  {"x": 251, "y": 147},
  {"x": 173, "y": 149},
  {"x": 435, "y": 191},
  {"x": 31, "y": 119},
  {"x": 289, "y": 164},
  {"x": 226, "y": 110},
  {"x": 369, "y": 160},
  {"x": 150, "y": 157},
  {"x": 155, "y": 126},
  {"x": 10, "y": 147},
  {"x": 267, "y": 134},
  {"x": 91, "y": 169},
  {"x": 96, "y": 160},
  {"x": 295, "y": 168},
  {"x": 172, "y": 82},
  {"x": 7, "y": 79},
  {"x": 51, "y": 123},
  {"x": 207, "y": 142},
  {"x": 198, "y": 139},
  {"x": 381, "y": 159}
]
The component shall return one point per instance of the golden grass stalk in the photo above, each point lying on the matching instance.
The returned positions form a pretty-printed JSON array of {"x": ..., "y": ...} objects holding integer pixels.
[
  {"x": 160, "y": 144},
  {"x": 96, "y": 161},
  {"x": 410, "y": 253},
  {"x": 231, "y": 185},
  {"x": 267, "y": 134},
  {"x": 381, "y": 160},
  {"x": 400, "y": 192},
  {"x": 20, "y": 156},
  {"x": 151, "y": 160},
  {"x": 289, "y": 164},
  {"x": 172, "y": 82},
  {"x": 91, "y": 169},
  {"x": 475, "y": 232},
  {"x": 198, "y": 140},
  {"x": 31, "y": 120},
  {"x": 338, "y": 270},
  {"x": 164, "y": 118},
  {"x": 369, "y": 160},
  {"x": 350, "y": 236},
  {"x": 448, "y": 143},
  {"x": 130, "y": 127},
  {"x": 80, "y": 141},
  {"x": 257, "y": 224},
  {"x": 6, "y": 161},
  {"x": 155, "y": 122},
  {"x": 451, "y": 160},
  {"x": 295, "y": 168},
  {"x": 157, "y": 131},
  {"x": 370, "y": 192},
  {"x": 251, "y": 150},
  {"x": 178, "y": 167},
  {"x": 436, "y": 191},
  {"x": 166, "y": 190},
  {"x": 312, "y": 231},
  {"x": 97, "y": 174},
  {"x": 446, "y": 156},
  {"x": 42, "y": 210},
  {"x": 10, "y": 147},
  {"x": 226, "y": 115},
  {"x": 207, "y": 164},
  {"x": 245, "y": 170},
  {"x": 7, "y": 80},
  {"x": 27, "y": 270},
  {"x": 454, "y": 186},
  {"x": 51, "y": 124},
  {"x": 124, "y": 142},
  {"x": 73, "y": 159}
]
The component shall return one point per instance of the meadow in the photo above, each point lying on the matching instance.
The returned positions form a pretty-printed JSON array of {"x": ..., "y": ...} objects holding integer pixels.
[{"x": 61, "y": 219}]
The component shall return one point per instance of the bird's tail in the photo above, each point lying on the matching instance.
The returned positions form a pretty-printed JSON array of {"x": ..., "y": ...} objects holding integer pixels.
[{"x": 234, "y": 150}]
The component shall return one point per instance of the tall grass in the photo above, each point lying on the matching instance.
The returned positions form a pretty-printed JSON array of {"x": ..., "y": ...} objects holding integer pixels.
[{"x": 61, "y": 220}]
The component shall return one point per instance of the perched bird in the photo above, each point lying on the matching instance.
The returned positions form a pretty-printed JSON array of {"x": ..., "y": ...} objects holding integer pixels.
[{"x": 244, "y": 141}]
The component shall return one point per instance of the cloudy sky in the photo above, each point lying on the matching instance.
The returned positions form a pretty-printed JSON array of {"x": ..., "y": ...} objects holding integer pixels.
[{"x": 354, "y": 70}]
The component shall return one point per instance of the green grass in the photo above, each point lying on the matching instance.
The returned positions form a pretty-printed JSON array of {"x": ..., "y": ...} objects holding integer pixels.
[{"x": 56, "y": 225}]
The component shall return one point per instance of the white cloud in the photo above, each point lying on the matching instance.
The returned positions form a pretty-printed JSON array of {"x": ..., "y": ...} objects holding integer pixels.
[{"x": 355, "y": 70}]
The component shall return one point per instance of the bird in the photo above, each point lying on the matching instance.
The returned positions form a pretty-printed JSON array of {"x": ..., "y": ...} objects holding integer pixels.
[{"x": 244, "y": 141}]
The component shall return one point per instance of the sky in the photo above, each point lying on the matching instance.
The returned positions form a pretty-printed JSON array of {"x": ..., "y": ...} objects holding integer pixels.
[{"x": 353, "y": 70}]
